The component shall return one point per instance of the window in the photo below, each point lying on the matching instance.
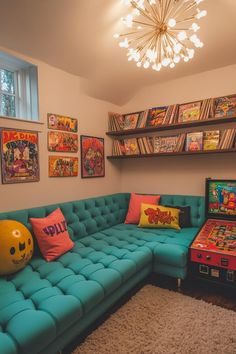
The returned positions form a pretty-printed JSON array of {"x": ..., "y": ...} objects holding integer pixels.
[{"x": 18, "y": 88}]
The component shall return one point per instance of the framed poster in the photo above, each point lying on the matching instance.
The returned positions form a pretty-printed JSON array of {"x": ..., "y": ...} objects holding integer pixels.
[
  {"x": 92, "y": 157},
  {"x": 20, "y": 156},
  {"x": 189, "y": 112},
  {"x": 62, "y": 166},
  {"x": 62, "y": 142},
  {"x": 57, "y": 122}
]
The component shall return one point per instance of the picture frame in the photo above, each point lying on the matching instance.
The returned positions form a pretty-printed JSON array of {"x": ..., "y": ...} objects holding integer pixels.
[
  {"x": 189, "y": 112},
  {"x": 19, "y": 155},
  {"x": 63, "y": 166},
  {"x": 62, "y": 142},
  {"x": 92, "y": 157},
  {"x": 64, "y": 123}
]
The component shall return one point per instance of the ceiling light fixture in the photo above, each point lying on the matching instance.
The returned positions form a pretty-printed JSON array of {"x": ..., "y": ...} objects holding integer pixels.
[{"x": 161, "y": 32}]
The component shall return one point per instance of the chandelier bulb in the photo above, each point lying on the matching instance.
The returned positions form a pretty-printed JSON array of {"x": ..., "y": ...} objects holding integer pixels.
[
  {"x": 182, "y": 36},
  {"x": 146, "y": 65},
  {"x": 177, "y": 48},
  {"x": 171, "y": 22},
  {"x": 194, "y": 27},
  {"x": 165, "y": 61},
  {"x": 177, "y": 59},
  {"x": 157, "y": 67},
  {"x": 201, "y": 14}
]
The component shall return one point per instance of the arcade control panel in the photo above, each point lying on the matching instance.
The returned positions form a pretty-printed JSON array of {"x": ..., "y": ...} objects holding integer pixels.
[{"x": 213, "y": 251}]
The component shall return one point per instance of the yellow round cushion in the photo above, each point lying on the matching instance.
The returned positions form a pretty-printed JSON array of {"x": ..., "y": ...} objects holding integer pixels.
[
  {"x": 159, "y": 216},
  {"x": 16, "y": 246}
]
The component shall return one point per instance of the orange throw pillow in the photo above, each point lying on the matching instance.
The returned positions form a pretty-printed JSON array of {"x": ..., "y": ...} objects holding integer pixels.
[
  {"x": 134, "y": 210},
  {"x": 52, "y": 235}
]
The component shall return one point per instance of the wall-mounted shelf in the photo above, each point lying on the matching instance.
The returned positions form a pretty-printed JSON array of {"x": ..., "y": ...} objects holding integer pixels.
[
  {"x": 196, "y": 123},
  {"x": 181, "y": 153}
]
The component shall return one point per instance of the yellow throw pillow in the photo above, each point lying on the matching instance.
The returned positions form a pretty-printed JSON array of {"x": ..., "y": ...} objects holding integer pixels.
[{"x": 158, "y": 216}]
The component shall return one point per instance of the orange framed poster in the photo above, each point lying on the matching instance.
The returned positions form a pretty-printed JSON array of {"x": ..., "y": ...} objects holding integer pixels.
[{"x": 62, "y": 166}]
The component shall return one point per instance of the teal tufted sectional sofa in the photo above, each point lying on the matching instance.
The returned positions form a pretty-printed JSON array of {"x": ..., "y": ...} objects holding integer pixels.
[{"x": 47, "y": 304}]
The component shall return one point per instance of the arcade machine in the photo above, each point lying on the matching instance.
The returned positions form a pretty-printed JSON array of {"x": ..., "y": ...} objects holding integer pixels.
[{"x": 213, "y": 251}]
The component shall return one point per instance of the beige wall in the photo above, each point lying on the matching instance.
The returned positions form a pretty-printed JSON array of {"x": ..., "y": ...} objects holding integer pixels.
[
  {"x": 182, "y": 174},
  {"x": 60, "y": 92}
]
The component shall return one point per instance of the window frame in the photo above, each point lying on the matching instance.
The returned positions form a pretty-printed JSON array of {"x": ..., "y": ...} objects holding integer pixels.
[{"x": 25, "y": 85}]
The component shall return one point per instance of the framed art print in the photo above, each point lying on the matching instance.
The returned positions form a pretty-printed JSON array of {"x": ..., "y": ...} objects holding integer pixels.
[
  {"x": 62, "y": 166},
  {"x": 62, "y": 142},
  {"x": 20, "y": 156},
  {"x": 92, "y": 157},
  {"x": 57, "y": 122}
]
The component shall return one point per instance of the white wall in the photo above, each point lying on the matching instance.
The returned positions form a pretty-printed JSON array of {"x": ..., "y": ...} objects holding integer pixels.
[
  {"x": 61, "y": 93},
  {"x": 180, "y": 174}
]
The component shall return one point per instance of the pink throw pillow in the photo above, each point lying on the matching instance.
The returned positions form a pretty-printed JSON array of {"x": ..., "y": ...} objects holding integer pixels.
[
  {"x": 52, "y": 235},
  {"x": 134, "y": 210}
]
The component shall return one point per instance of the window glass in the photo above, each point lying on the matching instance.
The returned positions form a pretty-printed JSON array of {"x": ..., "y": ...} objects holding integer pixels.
[
  {"x": 7, "y": 81},
  {"x": 8, "y": 106},
  {"x": 18, "y": 88}
]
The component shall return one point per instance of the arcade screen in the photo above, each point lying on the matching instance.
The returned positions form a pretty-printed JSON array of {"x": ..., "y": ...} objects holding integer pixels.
[{"x": 221, "y": 198}]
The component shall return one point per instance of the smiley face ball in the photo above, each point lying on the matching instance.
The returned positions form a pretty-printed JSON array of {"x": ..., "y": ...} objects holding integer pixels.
[{"x": 16, "y": 246}]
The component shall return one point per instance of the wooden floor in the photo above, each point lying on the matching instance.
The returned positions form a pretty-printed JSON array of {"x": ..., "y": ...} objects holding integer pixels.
[{"x": 216, "y": 294}]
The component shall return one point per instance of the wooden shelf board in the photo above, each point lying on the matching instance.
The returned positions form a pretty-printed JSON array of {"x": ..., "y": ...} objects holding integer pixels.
[
  {"x": 202, "y": 152},
  {"x": 196, "y": 123}
]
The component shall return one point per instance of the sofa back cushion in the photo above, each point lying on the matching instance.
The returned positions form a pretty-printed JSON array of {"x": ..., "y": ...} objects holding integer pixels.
[
  {"x": 83, "y": 217},
  {"x": 196, "y": 203}
]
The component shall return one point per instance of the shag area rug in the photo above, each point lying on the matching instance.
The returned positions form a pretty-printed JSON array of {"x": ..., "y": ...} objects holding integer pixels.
[{"x": 159, "y": 321}]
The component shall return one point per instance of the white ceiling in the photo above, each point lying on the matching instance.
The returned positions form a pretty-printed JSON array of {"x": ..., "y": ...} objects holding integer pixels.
[{"x": 77, "y": 36}]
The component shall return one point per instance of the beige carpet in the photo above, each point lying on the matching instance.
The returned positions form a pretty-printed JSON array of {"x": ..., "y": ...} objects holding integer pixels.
[{"x": 159, "y": 321}]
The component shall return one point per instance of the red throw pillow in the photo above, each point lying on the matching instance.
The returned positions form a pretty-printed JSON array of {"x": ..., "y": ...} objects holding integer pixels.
[
  {"x": 134, "y": 210},
  {"x": 52, "y": 235}
]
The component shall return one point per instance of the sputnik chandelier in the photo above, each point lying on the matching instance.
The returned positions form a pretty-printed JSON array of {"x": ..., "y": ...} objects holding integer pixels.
[{"x": 161, "y": 33}]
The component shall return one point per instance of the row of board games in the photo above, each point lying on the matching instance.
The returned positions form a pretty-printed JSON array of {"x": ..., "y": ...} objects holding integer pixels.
[
  {"x": 220, "y": 107},
  {"x": 194, "y": 141}
]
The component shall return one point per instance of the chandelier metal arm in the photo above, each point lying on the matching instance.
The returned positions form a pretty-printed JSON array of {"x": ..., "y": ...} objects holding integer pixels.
[
  {"x": 167, "y": 5},
  {"x": 177, "y": 9},
  {"x": 155, "y": 13},
  {"x": 144, "y": 23},
  {"x": 145, "y": 41},
  {"x": 147, "y": 15}
]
